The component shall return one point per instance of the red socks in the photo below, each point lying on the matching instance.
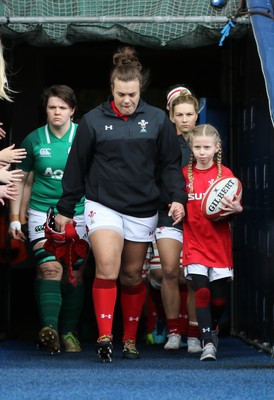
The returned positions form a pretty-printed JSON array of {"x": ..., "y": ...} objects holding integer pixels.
[
  {"x": 174, "y": 326},
  {"x": 193, "y": 330},
  {"x": 104, "y": 293},
  {"x": 132, "y": 302}
]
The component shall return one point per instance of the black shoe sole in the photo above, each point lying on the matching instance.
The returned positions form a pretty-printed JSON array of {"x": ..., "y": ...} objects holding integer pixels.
[
  {"x": 50, "y": 339},
  {"x": 104, "y": 351},
  {"x": 130, "y": 356}
]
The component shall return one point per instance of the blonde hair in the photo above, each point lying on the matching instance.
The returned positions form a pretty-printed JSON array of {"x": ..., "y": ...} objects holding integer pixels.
[
  {"x": 205, "y": 130},
  {"x": 4, "y": 89},
  {"x": 182, "y": 98}
]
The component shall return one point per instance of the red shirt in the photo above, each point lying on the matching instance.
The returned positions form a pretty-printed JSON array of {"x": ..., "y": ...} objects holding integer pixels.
[{"x": 205, "y": 242}]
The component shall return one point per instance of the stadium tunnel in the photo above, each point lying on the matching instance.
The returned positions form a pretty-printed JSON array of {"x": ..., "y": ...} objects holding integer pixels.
[{"x": 235, "y": 81}]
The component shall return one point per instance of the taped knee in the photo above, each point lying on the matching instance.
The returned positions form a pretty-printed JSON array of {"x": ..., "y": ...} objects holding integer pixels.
[
  {"x": 42, "y": 256},
  {"x": 202, "y": 297}
]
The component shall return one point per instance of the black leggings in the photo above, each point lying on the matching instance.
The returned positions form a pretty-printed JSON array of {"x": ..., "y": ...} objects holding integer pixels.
[{"x": 210, "y": 303}]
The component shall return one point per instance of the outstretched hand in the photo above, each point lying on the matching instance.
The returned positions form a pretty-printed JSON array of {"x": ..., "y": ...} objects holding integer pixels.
[
  {"x": 11, "y": 155},
  {"x": 7, "y": 176},
  {"x": 9, "y": 191}
]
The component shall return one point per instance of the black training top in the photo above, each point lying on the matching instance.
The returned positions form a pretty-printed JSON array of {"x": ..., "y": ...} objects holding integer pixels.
[
  {"x": 117, "y": 162},
  {"x": 164, "y": 219}
]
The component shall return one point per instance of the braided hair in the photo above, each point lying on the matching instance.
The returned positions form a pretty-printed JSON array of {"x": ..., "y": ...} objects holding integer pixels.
[{"x": 205, "y": 130}]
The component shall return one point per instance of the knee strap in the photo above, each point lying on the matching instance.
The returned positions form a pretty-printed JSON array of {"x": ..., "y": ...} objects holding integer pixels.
[{"x": 41, "y": 256}]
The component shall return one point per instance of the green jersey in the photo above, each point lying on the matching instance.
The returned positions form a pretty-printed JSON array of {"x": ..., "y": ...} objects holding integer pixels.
[{"x": 46, "y": 157}]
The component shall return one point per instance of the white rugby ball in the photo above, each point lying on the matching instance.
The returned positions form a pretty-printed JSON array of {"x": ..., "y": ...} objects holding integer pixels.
[{"x": 225, "y": 186}]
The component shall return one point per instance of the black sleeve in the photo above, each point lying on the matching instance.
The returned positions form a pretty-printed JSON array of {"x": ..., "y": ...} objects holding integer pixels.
[
  {"x": 77, "y": 166},
  {"x": 172, "y": 182}
]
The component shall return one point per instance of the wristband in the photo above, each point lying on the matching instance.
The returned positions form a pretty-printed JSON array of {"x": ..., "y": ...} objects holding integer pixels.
[
  {"x": 14, "y": 217},
  {"x": 16, "y": 225},
  {"x": 23, "y": 220}
]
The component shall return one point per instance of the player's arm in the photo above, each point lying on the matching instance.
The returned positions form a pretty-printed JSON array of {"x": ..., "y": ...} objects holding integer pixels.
[
  {"x": 23, "y": 212},
  {"x": 15, "y": 224}
]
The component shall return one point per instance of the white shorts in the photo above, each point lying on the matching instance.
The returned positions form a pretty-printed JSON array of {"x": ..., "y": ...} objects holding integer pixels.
[
  {"x": 167, "y": 232},
  {"x": 164, "y": 232},
  {"x": 130, "y": 228},
  {"x": 36, "y": 225},
  {"x": 212, "y": 273}
]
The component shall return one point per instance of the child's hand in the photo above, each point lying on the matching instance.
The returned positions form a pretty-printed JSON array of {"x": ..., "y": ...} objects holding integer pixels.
[
  {"x": 176, "y": 211},
  {"x": 230, "y": 206},
  {"x": 7, "y": 176},
  {"x": 9, "y": 191},
  {"x": 12, "y": 155}
]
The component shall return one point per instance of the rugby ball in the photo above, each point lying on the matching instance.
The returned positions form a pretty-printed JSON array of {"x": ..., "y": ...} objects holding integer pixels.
[{"x": 224, "y": 186}]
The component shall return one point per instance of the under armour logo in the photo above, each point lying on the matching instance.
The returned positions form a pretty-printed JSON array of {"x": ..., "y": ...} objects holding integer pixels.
[
  {"x": 206, "y": 330},
  {"x": 108, "y": 127},
  {"x": 105, "y": 316},
  {"x": 133, "y": 319}
]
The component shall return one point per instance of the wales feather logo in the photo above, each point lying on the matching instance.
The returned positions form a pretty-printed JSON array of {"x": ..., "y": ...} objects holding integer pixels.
[{"x": 143, "y": 124}]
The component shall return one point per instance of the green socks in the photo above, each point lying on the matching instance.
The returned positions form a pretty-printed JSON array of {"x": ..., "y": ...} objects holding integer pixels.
[
  {"x": 72, "y": 304},
  {"x": 49, "y": 300}
]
